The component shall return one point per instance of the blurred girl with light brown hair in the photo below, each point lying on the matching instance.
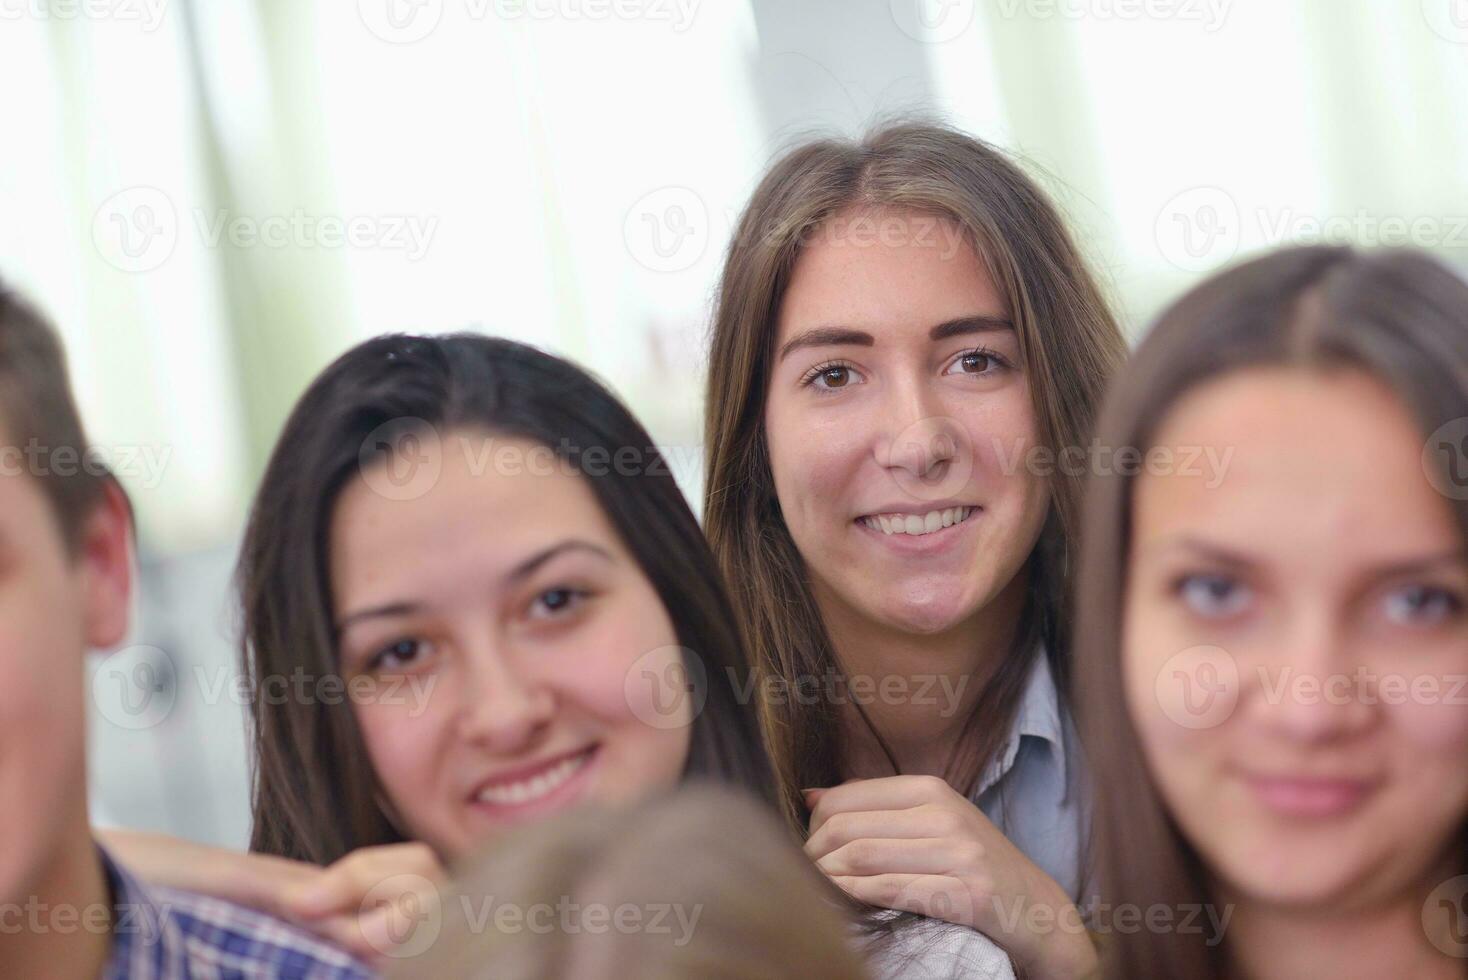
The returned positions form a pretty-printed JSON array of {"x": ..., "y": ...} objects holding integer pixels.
[{"x": 1272, "y": 662}]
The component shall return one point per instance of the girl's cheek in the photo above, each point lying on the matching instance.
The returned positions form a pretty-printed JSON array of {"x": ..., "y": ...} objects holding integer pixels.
[
  {"x": 628, "y": 668},
  {"x": 1433, "y": 718},
  {"x": 813, "y": 474},
  {"x": 401, "y": 742},
  {"x": 660, "y": 691},
  {"x": 1179, "y": 693},
  {"x": 630, "y": 673},
  {"x": 1005, "y": 450},
  {"x": 1426, "y": 703}
]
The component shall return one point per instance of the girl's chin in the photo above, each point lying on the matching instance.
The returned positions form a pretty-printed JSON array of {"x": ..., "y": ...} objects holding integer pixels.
[
  {"x": 1302, "y": 877},
  {"x": 928, "y": 617}
]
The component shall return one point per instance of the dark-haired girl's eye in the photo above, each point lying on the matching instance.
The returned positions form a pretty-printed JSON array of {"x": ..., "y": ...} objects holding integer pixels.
[
  {"x": 401, "y": 655},
  {"x": 556, "y": 602}
]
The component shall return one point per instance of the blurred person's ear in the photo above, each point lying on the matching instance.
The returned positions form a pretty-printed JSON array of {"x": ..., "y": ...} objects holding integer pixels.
[{"x": 104, "y": 558}]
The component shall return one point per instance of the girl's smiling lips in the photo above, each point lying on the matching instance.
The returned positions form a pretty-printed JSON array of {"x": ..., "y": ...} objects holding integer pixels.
[
  {"x": 537, "y": 787},
  {"x": 1305, "y": 796},
  {"x": 909, "y": 530}
]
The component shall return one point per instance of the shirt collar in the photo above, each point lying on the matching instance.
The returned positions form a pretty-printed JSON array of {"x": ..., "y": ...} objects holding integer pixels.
[
  {"x": 1038, "y": 717},
  {"x": 146, "y": 942}
]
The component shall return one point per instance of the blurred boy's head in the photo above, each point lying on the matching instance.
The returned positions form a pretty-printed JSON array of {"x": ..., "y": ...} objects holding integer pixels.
[{"x": 64, "y": 587}]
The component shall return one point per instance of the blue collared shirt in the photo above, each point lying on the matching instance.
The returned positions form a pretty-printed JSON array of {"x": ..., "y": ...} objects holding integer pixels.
[
  {"x": 166, "y": 934},
  {"x": 1034, "y": 790}
]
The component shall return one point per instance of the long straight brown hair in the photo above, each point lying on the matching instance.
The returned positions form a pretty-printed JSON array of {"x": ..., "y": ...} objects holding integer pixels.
[
  {"x": 316, "y": 796},
  {"x": 1399, "y": 316},
  {"x": 1069, "y": 344}
]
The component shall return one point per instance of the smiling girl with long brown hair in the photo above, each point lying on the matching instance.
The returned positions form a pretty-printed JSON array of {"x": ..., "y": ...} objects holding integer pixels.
[{"x": 904, "y": 324}]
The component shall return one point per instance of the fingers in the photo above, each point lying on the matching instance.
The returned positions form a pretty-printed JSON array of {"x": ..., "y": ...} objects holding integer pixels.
[
  {"x": 395, "y": 910},
  {"x": 341, "y": 888},
  {"x": 887, "y": 793},
  {"x": 934, "y": 855},
  {"x": 935, "y": 896},
  {"x": 404, "y": 924},
  {"x": 919, "y": 821},
  {"x": 266, "y": 882}
]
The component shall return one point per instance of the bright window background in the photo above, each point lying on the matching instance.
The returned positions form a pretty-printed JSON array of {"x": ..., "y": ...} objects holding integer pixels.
[{"x": 550, "y": 171}]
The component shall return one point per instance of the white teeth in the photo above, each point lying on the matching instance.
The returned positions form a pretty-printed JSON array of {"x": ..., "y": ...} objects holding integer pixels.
[
  {"x": 917, "y": 524},
  {"x": 513, "y": 794}
]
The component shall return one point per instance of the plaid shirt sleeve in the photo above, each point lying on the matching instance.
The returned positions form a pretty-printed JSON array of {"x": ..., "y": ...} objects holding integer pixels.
[{"x": 166, "y": 934}]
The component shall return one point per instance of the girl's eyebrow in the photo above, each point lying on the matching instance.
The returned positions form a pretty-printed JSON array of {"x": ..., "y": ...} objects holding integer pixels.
[
  {"x": 515, "y": 575},
  {"x": 1423, "y": 563},
  {"x": 527, "y": 568},
  {"x": 1200, "y": 547},
  {"x": 846, "y": 336},
  {"x": 1382, "y": 570},
  {"x": 969, "y": 324},
  {"x": 390, "y": 610},
  {"x": 826, "y": 337}
]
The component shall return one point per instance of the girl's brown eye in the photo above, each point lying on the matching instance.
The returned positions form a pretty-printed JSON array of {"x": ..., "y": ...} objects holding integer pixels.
[
  {"x": 975, "y": 363},
  {"x": 398, "y": 655},
  {"x": 554, "y": 602},
  {"x": 836, "y": 377}
]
